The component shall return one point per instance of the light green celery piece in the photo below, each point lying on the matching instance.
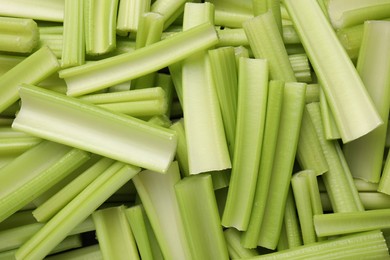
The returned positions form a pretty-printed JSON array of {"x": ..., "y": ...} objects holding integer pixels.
[
  {"x": 73, "y": 45},
  {"x": 363, "y": 185},
  {"x": 251, "y": 114},
  {"x": 31, "y": 70},
  {"x": 18, "y": 34},
  {"x": 301, "y": 67},
  {"x": 235, "y": 248},
  {"x": 91, "y": 252},
  {"x": 385, "y": 178},
  {"x": 239, "y": 52},
  {"x": 170, "y": 9},
  {"x": 104, "y": 73},
  {"x": 7, "y": 62},
  {"x": 176, "y": 72},
  {"x": 53, "y": 41},
  {"x": 181, "y": 150},
  {"x": 364, "y": 245},
  {"x": 56, "y": 202},
  {"x": 232, "y": 14},
  {"x": 283, "y": 243},
  {"x": 129, "y": 14},
  {"x": 232, "y": 37},
  {"x": 38, "y": 10},
  {"x": 76, "y": 123},
  {"x": 250, "y": 237},
  {"x": 365, "y": 155},
  {"x": 267, "y": 43},
  {"x": 328, "y": 121},
  {"x": 206, "y": 141},
  {"x": 161, "y": 120},
  {"x": 76, "y": 211},
  {"x": 351, "y": 105},
  {"x": 344, "y": 13},
  {"x": 116, "y": 240},
  {"x": 351, "y": 39},
  {"x": 34, "y": 172},
  {"x": 261, "y": 7},
  {"x": 338, "y": 179},
  {"x": 371, "y": 200},
  {"x": 157, "y": 194},
  {"x": 100, "y": 26},
  {"x": 50, "y": 28},
  {"x": 198, "y": 208},
  {"x": 290, "y": 35},
  {"x": 166, "y": 83},
  {"x": 223, "y": 66},
  {"x": 309, "y": 152},
  {"x": 150, "y": 29},
  {"x": 291, "y": 223},
  {"x": 15, "y": 142},
  {"x": 142, "y": 108},
  {"x": 285, "y": 151}
]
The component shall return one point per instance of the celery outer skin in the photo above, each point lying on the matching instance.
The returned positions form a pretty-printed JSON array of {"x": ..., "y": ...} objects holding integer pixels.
[
  {"x": 352, "y": 107},
  {"x": 107, "y": 72},
  {"x": 90, "y": 128}
]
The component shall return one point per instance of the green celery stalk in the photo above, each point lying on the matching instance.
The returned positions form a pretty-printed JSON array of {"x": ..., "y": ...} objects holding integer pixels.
[
  {"x": 351, "y": 39},
  {"x": 7, "y": 62},
  {"x": 14, "y": 142},
  {"x": 130, "y": 13},
  {"x": 232, "y": 37},
  {"x": 300, "y": 66},
  {"x": 235, "y": 248},
  {"x": 291, "y": 223},
  {"x": 181, "y": 150},
  {"x": 139, "y": 109},
  {"x": 85, "y": 252},
  {"x": 53, "y": 41},
  {"x": 230, "y": 13},
  {"x": 251, "y": 114},
  {"x": 169, "y": 9},
  {"x": 290, "y": 35},
  {"x": 239, "y": 52},
  {"x": 330, "y": 127},
  {"x": 19, "y": 218},
  {"x": 371, "y": 200},
  {"x": 91, "y": 128},
  {"x": 352, "y": 107}
]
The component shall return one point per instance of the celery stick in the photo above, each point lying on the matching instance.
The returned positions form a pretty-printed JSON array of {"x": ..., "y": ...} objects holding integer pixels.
[
  {"x": 19, "y": 218},
  {"x": 232, "y": 14},
  {"x": 352, "y": 107},
  {"x": 371, "y": 200},
  {"x": 90, "y": 128},
  {"x": 142, "y": 108},
  {"x": 365, "y": 155},
  {"x": 328, "y": 121},
  {"x": 15, "y": 145},
  {"x": 300, "y": 66},
  {"x": 287, "y": 141},
  {"x": 235, "y": 248},
  {"x": 385, "y": 178},
  {"x": 251, "y": 113},
  {"x": 7, "y": 62},
  {"x": 232, "y": 37},
  {"x": 150, "y": 29},
  {"x": 199, "y": 210},
  {"x": 290, "y": 35},
  {"x": 104, "y": 73},
  {"x": 130, "y": 13},
  {"x": 261, "y": 7},
  {"x": 83, "y": 253},
  {"x": 170, "y": 9},
  {"x": 31, "y": 70},
  {"x": 57, "y": 228},
  {"x": 351, "y": 39},
  {"x": 291, "y": 223},
  {"x": 53, "y": 41},
  {"x": 181, "y": 150},
  {"x": 166, "y": 83},
  {"x": 239, "y": 52}
]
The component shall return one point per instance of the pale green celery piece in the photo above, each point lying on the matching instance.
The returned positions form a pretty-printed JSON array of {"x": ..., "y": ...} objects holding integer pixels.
[
  {"x": 223, "y": 66},
  {"x": 365, "y": 155},
  {"x": 35, "y": 171},
  {"x": 286, "y": 146},
  {"x": 385, "y": 178},
  {"x": 116, "y": 240},
  {"x": 290, "y": 35},
  {"x": 235, "y": 248},
  {"x": 169, "y": 9},
  {"x": 351, "y": 39},
  {"x": 363, "y": 185},
  {"x": 161, "y": 120},
  {"x": 309, "y": 152},
  {"x": 181, "y": 150},
  {"x": 130, "y": 13},
  {"x": 53, "y": 41},
  {"x": 352, "y": 107},
  {"x": 18, "y": 34},
  {"x": 31, "y": 70},
  {"x": 220, "y": 179},
  {"x": 143, "y": 108},
  {"x": 338, "y": 180},
  {"x": 344, "y": 13},
  {"x": 239, "y": 52},
  {"x": 363, "y": 245},
  {"x": 199, "y": 211},
  {"x": 76, "y": 211},
  {"x": 14, "y": 142},
  {"x": 51, "y": 28},
  {"x": 166, "y": 83},
  {"x": 83, "y": 253},
  {"x": 100, "y": 26},
  {"x": 157, "y": 195},
  {"x": 371, "y": 200},
  {"x": 55, "y": 203},
  {"x": 104, "y": 73},
  {"x": 261, "y": 7},
  {"x": 294, "y": 49},
  {"x": 274, "y": 106},
  {"x": 267, "y": 43},
  {"x": 76, "y": 123},
  {"x": 124, "y": 86},
  {"x": 328, "y": 121},
  {"x": 7, "y": 62},
  {"x": 150, "y": 29},
  {"x": 73, "y": 46},
  {"x": 231, "y": 13},
  {"x": 70, "y": 242},
  {"x": 291, "y": 222},
  {"x": 300, "y": 66},
  {"x": 251, "y": 116},
  {"x": 19, "y": 218},
  {"x": 37, "y": 10},
  {"x": 232, "y": 37}
]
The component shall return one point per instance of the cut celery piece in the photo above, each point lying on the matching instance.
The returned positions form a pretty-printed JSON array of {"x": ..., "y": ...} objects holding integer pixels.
[
  {"x": 150, "y": 29},
  {"x": 130, "y": 13},
  {"x": 144, "y": 108},
  {"x": 91, "y": 128},
  {"x": 251, "y": 113},
  {"x": 291, "y": 223},
  {"x": 328, "y": 121},
  {"x": 181, "y": 150},
  {"x": 232, "y": 37},
  {"x": 14, "y": 142},
  {"x": 352, "y": 107},
  {"x": 166, "y": 83},
  {"x": 57, "y": 228},
  {"x": 300, "y": 66},
  {"x": 261, "y": 7},
  {"x": 19, "y": 218},
  {"x": 351, "y": 39},
  {"x": 290, "y": 35},
  {"x": 235, "y": 248},
  {"x": 170, "y": 9},
  {"x": 107, "y": 72},
  {"x": 365, "y": 155},
  {"x": 31, "y": 70},
  {"x": 83, "y": 253},
  {"x": 370, "y": 200},
  {"x": 34, "y": 172},
  {"x": 385, "y": 178},
  {"x": 232, "y": 14}
]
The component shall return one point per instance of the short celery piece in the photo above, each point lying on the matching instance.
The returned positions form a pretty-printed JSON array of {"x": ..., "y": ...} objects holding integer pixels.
[
  {"x": 232, "y": 14},
  {"x": 260, "y": 7},
  {"x": 235, "y": 248},
  {"x": 57, "y": 228},
  {"x": 34, "y": 172},
  {"x": 351, "y": 39},
  {"x": 31, "y": 70},
  {"x": 251, "y": 114},
  {"x": 130, "y": 13},
  {"x": 352, "y": 107},
  {"x": 232, "y": 37},
  {"x": 91, "y": 128},
  {"x": 107, "y": 72}
]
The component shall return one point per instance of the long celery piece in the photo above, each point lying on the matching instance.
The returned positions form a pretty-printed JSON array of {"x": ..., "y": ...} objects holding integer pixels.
[
  {"x": 116, "y": 240},
  {"x": 31, "y": 70},
  {"x": 130, "y": 13},
  {"x": 352, "y": 107},
  {"x": 73, "y": 45},
  {"x": 365, "y": 155},
  {"x": 251, "y": 114},
  {"x": 91, "y": 128},
  {"x": 107, "y": 72},
  {"x": 291, "y": 223},
  {"x": 274, "y": 107},
  {"x": 35, "y": 171},
  {"x": 235, "y": 248},
  {"x": 287, "y": 141},
  {"x": 170, "y": 9},
  {"x": 267, "y": 43},
  {"x": 181, "y": 150},
  {"x": 57, "y": 228},
  {"x": 328, "y": 121},
  {"x": 157, "y": 195},
  {"x": 85, "y": 252}
]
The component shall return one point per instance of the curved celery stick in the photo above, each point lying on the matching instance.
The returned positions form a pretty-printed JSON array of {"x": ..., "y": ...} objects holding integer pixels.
[
  {"x": 107, "y": 72},
  {"x": 129, "y": 14},
  {"x": 352, "y": 107},
  {"x": 70, "y": 121}
]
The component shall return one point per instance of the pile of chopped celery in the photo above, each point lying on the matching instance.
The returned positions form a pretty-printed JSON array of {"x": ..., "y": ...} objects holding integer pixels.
[{"x": 174, "y": 129}]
